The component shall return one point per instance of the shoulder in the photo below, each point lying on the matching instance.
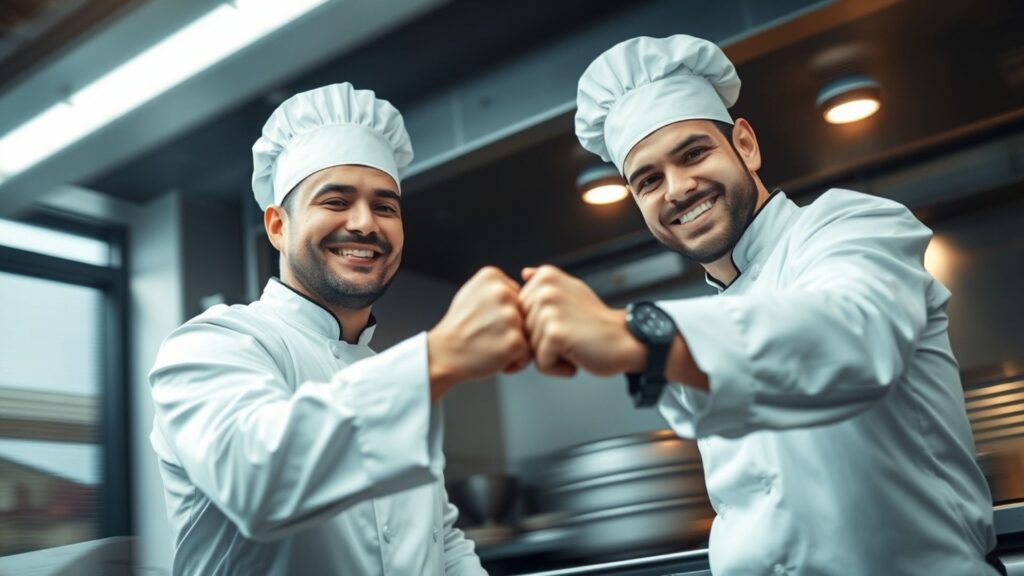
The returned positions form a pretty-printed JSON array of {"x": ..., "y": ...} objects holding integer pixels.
[
  {"x": 857, "y": 212},
  {"x": 838, "y": 202},
  {"x": 222, "y": 330}
]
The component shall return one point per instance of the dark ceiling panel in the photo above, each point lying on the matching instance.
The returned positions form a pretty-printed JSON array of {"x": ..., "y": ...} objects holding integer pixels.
[
  {"x": 940, "y": 68},
  {"x": 522, "y": 210}
]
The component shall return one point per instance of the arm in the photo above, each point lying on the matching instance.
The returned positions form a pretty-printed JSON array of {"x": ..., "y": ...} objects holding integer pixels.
[
  {"x": 275, "y": 456},
  {"x": 273, "y": 460},
  {"x": 825, "y": 345}
]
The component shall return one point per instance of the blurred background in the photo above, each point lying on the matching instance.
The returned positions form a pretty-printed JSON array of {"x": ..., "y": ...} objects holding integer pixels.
[{"x": 126, "y": 208}]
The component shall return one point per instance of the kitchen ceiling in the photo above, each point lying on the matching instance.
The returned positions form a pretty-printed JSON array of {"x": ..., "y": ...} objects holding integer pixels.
[{"x": 949, "y": 71}]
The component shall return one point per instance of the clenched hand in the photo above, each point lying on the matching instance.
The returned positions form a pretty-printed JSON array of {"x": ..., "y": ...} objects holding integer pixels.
[
  {"x": 480, "y": 335},
  {"x": 569, "y": 327}
]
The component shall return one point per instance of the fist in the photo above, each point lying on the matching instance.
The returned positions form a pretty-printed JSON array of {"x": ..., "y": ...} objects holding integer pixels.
[
  {"x": 482, "y": 332},
  {"x": 569, "y": 327}
]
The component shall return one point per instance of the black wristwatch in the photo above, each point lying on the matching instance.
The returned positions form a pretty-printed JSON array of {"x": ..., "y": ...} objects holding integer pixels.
[{"x": 655, "y": 328}]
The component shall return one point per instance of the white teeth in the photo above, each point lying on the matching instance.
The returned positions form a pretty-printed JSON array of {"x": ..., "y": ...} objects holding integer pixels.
[
  {"x": 696, "y": 211},
  {"x": 358, "y": 253}
]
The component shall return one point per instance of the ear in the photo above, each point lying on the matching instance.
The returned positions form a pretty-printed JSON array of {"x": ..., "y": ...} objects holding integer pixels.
[
  {"x": 274, "y": 221},
  {"x": 745, "y": 142}
]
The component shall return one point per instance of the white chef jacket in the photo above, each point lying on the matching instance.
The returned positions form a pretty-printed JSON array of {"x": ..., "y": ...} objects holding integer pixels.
[
  {"x": 285, "y": 450},
  {"x": 834, "y": 436}
]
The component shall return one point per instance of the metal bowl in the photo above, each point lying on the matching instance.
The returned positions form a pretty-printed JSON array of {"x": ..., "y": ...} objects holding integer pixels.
[
  {"x": 484, "y": 499},
  {"x": 619, "y": 455}
]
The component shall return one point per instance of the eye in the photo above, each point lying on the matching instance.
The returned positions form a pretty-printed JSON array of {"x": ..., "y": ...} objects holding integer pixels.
[
  {"x": 694, "y": 154},
  {"x": 335, "y": 203},
  {"x": 649, "y": 183},
  {"x": 387, "y": 209}
]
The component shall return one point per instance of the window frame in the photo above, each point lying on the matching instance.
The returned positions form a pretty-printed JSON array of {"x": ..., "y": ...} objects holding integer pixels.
[{"x": 116, "y": 490}]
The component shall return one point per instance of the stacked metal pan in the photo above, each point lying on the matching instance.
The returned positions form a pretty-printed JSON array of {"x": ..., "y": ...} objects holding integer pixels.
[{"x": 629, "y": 495}]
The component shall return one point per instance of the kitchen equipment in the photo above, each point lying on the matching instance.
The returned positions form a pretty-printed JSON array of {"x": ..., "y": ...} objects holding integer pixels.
[
  {"x": 484, "y": 499},
  {"x": 628, "y": 495}
]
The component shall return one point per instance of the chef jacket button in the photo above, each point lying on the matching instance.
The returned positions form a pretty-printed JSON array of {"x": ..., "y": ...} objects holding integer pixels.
[
  {"x": 336, "y": 349},
  {"x": 778, "y": 569},
  {"x": 387, "y": 533},
  {"x": 434, "y": 533}
]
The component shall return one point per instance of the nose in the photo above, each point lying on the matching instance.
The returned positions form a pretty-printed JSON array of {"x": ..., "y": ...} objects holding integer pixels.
[
  {"x": 361, "y": 219},
  {"x": 679, "y": 183}
]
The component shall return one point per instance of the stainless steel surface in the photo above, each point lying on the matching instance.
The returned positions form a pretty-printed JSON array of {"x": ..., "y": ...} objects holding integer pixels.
[
  {"x": 640, "y": 528},
  {"x": 622, "y": 454},
  {"x": 623, "y": 489},
  {"x": 484, "y": 499},
  {"x": 1008, "y": 518},
  {"x": 646, "y": 562},
  {"x": 630, "y": 495}
]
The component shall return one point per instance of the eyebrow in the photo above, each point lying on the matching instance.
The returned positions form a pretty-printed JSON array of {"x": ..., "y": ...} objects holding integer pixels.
[
  {"x": 349, "y": 189},
  {"x": 679, "y": 147}
]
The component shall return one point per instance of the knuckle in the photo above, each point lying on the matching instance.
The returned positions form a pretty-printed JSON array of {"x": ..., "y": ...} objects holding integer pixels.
[
  {"x": 547, "y": 295},
  {"x": 491, "y": 272},
  {"x": 510, "y": 315}
]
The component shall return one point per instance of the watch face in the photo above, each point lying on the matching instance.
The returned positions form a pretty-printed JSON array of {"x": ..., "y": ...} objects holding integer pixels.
[{"x": 653, "y": 322}]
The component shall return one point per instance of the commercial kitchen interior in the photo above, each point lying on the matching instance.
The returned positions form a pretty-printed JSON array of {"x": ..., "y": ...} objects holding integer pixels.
[{"x": 119, "y": 234}]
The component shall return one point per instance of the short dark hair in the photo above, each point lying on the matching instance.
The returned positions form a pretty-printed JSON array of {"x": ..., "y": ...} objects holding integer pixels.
[
  {"x": 288, "y": 202},
  {"x": 725, "y": 128}
]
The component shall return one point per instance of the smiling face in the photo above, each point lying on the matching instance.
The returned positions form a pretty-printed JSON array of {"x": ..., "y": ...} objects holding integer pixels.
[
  {"x": 697, "y": 190},
  {"x": 340, "y": 235}
]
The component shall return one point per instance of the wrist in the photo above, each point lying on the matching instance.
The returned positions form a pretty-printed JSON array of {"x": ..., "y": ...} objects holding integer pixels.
[
  {"x": 633, "y": 352},
  {"x": 441, "y": 372}
]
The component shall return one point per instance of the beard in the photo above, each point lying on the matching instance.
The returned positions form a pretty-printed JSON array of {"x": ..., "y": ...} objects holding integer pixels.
[
  {"x": 739, "y": 201},
  {"x": 314, "y": 273}
]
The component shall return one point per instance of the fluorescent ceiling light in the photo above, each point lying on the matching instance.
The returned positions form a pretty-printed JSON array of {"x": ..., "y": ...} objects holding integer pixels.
[{"x": 218, "y": 34}]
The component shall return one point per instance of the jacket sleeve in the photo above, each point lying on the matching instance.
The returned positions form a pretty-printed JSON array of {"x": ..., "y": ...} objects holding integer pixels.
[
  {"x": 275, "y": 460},
  {"x": 832, "y": 336}
]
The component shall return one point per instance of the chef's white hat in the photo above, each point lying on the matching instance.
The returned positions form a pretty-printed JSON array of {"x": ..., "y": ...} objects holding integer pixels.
[
  {"x": 328, "y": 126},
  {"x": 643, "y": 84}
]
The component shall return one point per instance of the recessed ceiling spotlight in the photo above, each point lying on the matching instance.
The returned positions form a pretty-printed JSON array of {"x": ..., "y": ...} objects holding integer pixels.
[
  {"x": 601, "y": 184},
  {"x": 849, "y": 99}
]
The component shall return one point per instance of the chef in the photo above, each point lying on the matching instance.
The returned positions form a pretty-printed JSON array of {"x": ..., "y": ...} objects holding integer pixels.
[
  {"x": 819, "y": 382},
  {"x": 286, "y": 445}
]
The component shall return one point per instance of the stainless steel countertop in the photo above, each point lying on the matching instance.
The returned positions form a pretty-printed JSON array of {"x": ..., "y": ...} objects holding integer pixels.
[{"x": 1008, "y": 519}]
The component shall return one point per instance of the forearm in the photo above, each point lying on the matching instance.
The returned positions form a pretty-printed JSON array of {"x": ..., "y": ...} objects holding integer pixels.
[{"x": 681, "y": 367}]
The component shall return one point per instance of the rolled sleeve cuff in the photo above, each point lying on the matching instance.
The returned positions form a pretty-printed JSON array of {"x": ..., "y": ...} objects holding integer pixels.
[
  {"x": 718, "y": 347},
  {"x": 390, "y": 397}
]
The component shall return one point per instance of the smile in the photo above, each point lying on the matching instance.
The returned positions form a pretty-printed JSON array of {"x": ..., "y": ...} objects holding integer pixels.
[
  {"x": 355, "y": 253},
  {"x": 695, "y": 212}
]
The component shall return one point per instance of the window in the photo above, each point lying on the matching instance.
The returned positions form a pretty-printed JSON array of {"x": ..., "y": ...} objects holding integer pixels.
[{"x": 63, "y": 364}]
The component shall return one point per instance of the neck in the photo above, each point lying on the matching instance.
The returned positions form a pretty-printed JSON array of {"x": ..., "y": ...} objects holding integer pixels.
[
  {"x": 723, "y": 269},
  {"x": 352, "y": 322}
]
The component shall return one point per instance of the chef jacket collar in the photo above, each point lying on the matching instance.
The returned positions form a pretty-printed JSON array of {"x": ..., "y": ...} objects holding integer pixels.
[
  {"x": 300, "y": 309},
  {"x": 761, "y": 236}
]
